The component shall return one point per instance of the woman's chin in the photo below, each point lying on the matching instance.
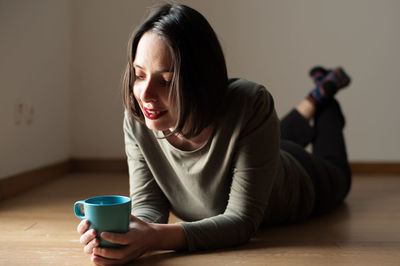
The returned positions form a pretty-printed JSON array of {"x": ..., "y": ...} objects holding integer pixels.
[{"x": 152, "y": 125}]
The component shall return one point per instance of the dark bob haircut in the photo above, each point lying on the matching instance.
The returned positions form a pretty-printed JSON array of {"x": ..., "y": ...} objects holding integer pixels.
[{"x": 199, "y": 80}]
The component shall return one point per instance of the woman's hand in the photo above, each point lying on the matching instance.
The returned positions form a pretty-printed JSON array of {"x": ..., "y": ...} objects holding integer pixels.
[{"x": 140, "y": 238}]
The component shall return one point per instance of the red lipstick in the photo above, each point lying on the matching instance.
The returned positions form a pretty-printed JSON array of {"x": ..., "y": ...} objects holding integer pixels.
[{"x": 153, "y": 114}]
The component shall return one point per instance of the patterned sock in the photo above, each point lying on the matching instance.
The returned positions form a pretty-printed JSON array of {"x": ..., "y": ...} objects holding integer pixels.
[
  {"x": 327, "y": 88},
  {"x": 339, "y": 77},
  {"x": 317, "y": 74},
  {"x": 322, "y": 93}
]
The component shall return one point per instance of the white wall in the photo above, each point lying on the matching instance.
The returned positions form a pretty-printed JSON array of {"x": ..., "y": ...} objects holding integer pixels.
[
  {"x": 273, "y": 42},
  {"x": 100, "y": 31},
  {"x": 276, "y": 42},
  {"x": 34, "y": 69}
]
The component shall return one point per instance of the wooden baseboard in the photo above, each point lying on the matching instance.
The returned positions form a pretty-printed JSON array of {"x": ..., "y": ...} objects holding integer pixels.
[
  {"x": 16, "y": 184},
  {"x": 19, "y": 183},
  {"x": 381, "y": 168},
  {"x": 99, "y": 165}
]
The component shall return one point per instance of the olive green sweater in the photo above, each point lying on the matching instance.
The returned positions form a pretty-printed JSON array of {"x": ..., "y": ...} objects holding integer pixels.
[{"x": 224, "y": 190}]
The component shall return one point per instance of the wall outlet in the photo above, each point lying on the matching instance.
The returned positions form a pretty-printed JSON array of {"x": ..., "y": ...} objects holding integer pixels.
[{"x": 24, "y": 111}]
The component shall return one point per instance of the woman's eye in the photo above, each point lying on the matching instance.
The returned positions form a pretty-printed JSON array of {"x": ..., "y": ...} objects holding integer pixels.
[{"x": 139, "y": 77}]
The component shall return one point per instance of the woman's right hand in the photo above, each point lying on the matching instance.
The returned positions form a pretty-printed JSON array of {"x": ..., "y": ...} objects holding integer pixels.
[{"x": 88, "y": 236}]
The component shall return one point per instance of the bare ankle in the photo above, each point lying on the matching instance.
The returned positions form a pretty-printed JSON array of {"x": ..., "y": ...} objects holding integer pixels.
[{"x": 306, "y": 108}]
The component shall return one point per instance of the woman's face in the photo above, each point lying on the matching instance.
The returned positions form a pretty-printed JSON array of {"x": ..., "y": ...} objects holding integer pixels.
[{"x": 153, "y": 64}]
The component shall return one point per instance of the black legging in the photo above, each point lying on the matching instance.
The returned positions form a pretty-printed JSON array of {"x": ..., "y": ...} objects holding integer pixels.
[{"x": 327, "y": 166}]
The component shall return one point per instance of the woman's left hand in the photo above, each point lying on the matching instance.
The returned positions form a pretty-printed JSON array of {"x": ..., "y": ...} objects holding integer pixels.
[{"x": 135, "y": 243}]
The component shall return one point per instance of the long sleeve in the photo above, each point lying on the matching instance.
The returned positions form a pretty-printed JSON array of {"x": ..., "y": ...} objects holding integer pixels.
[
  {"x": 148, "y": 201},
  {"x": 256, "y": 164}
]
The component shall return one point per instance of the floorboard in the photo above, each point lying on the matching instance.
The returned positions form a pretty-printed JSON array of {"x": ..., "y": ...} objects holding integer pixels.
[{"x": 38, "y": 228}]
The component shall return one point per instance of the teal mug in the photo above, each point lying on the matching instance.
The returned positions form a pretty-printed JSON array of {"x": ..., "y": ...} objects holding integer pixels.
[{"x": 105, "y": 214}]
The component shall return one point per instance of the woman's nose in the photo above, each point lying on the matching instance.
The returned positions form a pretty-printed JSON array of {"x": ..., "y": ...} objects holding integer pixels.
[{"x": 148, "y": 92}]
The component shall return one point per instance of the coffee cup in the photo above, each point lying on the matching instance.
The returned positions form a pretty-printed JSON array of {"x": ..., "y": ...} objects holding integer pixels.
[{"x": 105, "y": 214}]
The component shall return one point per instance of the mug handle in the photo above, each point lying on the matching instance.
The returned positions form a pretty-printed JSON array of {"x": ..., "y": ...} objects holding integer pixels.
[{"x": 77, "y": 209}]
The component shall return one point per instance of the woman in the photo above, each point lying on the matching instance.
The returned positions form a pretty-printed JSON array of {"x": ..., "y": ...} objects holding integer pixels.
[{"x": 212, "y": 150}]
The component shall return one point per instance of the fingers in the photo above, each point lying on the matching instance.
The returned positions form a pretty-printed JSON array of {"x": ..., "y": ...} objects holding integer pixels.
[
  {"x": 100, "y": 261},
  {"x": 94, "y": 243},
  {"x": 87, "y": 237},
  {"x": 110, "y": 253},
  {"x": 83, "y": 226},
  {"x": 116, "y": 238},
  {"x": 108, "y": 256}
]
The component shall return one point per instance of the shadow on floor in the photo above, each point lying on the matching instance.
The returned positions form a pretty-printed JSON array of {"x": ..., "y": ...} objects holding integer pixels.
[{"x": 327, "y": 230}]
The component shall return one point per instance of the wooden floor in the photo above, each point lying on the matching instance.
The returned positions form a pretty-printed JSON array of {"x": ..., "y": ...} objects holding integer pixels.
[{"x": 38, "y": 228}]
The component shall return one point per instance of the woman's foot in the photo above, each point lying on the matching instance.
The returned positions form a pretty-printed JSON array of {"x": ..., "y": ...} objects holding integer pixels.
[
  {"x": 318, "y": 74},
  {"x": 339, "y": 77},
  {"x": 327, "y": 84}
]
